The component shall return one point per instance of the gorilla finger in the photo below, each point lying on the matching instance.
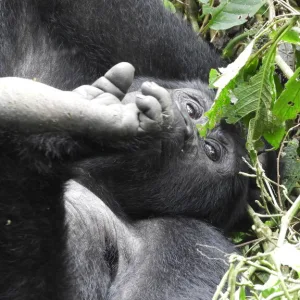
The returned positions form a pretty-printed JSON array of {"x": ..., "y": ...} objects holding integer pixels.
[
  {"x": 108, "y": 87},
  {"x": 106, "y": 99},
  {"x": 160, "y": 93},
  {"x": 88, "y": 92},
  {"x": 150, "y": 107},
  {"x": 147, "y": 125},
  {"x": 121, "y": 75},
  {"x": 130, "y": 119}
]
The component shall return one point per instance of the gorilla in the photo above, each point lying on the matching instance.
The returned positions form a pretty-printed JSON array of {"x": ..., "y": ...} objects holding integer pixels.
[
  {"x": 130, "y": 223},
  {"x": 82, "y": 247}
]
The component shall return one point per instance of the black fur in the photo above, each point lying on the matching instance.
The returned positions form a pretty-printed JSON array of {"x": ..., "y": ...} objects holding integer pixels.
[{"x": 51, "y": 249}]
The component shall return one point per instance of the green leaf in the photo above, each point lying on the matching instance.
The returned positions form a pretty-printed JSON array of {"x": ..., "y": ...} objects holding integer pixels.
[
  {"x": 234, "y": 68},
  {"x": 297, "y": 56},
  {"x": 257, "y": 95},
  {"x": 291, "y": 163},
  {"x": 242, "y": 295},
  {"x": 278, "y": 85},
  {"x": 214, "y": 11},
  {"x": 275, "y": 133},
  {"x": 287, "y": 105},
  {"x": 238, "y": 237},
  {"x": 232, "y": 12},
  {"x": 269, "y": 287},
  {"x": 217, "y": 110},
  {"x": 213, "y": 77},
  {"x": 292, "y": 36},
  {"x": 169, "y": 6}
]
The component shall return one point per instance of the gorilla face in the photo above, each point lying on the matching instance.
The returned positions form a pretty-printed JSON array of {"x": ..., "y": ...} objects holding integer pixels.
[
  {"x": 213, "y": 161},
  {"x": 222, "y": 146},
  {"x": 177, "y": 162}
]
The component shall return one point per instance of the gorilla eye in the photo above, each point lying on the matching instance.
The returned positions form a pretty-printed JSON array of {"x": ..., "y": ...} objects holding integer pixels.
[
  {"x": 212, "y": 151},
  {"x": 193, "y": 110}
]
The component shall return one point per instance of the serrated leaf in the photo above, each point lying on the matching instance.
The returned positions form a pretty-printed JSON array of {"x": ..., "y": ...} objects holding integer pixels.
[
  {"x": 257, "y": 95},
  {"x": 287, "y": 105},
  {"x": 217, "y": 110},
  {"x": 232, "y": 12},
  {"x": 253, "y": 95}
]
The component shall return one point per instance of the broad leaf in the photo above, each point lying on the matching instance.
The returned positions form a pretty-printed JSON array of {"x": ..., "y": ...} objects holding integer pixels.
[
  {"x": 252, "y": 95},
  {"x": 169, "y": 6},
  {"x": 214, "y": 75},
  {"x": 257, "y": 96},
  {"x": 217, "y": 110},
  {"x": 234, "y": 68},
  {"x": 232, "y": 12},
  {"x": 287, "y": 105}
]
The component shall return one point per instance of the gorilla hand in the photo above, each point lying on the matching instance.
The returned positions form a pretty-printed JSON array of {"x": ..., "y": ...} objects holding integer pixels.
[
  {"x": 32, "y": 107},
  {"x": 156, "y": 106},
  {"x": 154, "y": 103},
  {"x": 110, "y": 88}
]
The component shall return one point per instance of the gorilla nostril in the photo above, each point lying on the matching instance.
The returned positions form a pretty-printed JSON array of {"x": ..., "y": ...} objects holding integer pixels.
[{"x": 189, "y": 131}]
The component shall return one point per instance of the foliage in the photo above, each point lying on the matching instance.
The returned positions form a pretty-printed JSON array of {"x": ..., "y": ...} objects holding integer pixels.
[{"x": 261, "y": 90}]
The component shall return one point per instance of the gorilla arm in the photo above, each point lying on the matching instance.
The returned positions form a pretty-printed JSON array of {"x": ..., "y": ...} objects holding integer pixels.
[
  {"x": 33, "y": 107},
  {"x": 160, "y": 258}
]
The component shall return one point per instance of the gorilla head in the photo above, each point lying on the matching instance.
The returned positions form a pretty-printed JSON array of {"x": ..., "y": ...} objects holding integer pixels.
[{"x": 175, "y": 171}]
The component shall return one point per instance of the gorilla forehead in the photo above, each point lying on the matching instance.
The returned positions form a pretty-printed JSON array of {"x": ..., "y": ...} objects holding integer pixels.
[
  {"x": 179, "y": 90},
  {"x": 196, "y": 84}
]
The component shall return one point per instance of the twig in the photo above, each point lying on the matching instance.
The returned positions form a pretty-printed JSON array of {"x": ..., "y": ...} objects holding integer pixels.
[
  {"x": 262, "y": 230},
  {"x": 285, "y": 221},
  {"x": 281, "y": 293},
  {"x": 220, "y": 286},
  {"x": 284, "y": 67},
  {"x": 278, "y": 165},
  {"x": 272, "y": 13}
]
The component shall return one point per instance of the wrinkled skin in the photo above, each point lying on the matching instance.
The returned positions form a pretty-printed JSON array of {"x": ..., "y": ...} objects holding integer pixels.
[{"x": 135, "y": 237}]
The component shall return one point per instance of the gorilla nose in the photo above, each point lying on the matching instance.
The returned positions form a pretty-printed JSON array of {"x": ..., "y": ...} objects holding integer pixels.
[{"x": 189, "y": 125}]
